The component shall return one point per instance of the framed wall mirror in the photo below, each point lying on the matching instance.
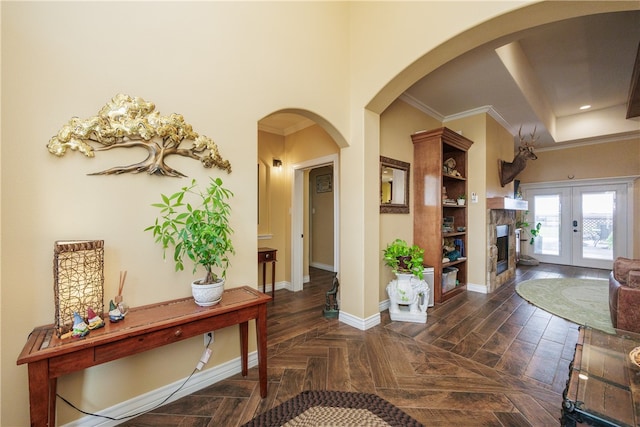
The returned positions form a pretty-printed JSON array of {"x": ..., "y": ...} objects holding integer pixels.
[{"x": 394, "y": 186}]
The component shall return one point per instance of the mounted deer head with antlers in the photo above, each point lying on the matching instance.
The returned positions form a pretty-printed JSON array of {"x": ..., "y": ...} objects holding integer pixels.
[{"x": 509, "y": 170}]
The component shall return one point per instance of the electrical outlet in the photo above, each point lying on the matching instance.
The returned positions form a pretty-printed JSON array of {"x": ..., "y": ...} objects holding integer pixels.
[{"x": 208, "y": 338}]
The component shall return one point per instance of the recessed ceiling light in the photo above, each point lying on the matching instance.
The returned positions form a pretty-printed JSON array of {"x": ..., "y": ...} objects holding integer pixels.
[{"x": 585, "y": 107}]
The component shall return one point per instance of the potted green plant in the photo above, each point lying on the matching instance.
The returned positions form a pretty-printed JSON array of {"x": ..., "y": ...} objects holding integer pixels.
[
  {"x": 524, "y": 224},
  {"x": 404, "y": 259},
  {"x": 462, "y": 199},
  {"x": 199, "y": 232}
]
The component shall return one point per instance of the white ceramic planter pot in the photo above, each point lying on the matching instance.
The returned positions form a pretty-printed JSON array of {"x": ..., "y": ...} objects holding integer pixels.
[
  {"x": 461, "y": 202},
  {"x": 207, "y": 295}
]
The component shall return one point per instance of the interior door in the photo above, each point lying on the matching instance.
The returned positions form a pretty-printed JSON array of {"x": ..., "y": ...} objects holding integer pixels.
[{"x": 583, "y": 226}]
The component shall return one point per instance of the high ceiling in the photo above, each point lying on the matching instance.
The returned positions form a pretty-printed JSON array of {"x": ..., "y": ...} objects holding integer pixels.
[{"x": 537, "y": 79}]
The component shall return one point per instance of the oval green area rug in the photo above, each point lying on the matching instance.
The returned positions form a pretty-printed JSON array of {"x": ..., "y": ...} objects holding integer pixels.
[{"x": 582, "y": 301}]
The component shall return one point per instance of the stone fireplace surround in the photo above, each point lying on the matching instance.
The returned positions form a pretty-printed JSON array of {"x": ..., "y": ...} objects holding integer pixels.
[{"x": 502, "y": 211}]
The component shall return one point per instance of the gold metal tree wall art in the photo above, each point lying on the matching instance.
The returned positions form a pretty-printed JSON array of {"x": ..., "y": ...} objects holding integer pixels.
[{"x": 127, "y": 122}]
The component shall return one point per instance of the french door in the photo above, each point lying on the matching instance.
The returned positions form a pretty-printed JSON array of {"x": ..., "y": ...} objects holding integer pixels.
[{"x": 581, "y": 225}]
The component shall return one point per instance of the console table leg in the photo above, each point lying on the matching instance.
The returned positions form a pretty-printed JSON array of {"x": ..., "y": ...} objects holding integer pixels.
[
  {"x": 42, "y": 407},
  {"x": 273, "y": 281},
  {"x": 244, "y": 347}
]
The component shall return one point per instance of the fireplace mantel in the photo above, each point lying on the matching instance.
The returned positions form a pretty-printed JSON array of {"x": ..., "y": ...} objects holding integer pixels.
[{"x": 507, "y": 203}]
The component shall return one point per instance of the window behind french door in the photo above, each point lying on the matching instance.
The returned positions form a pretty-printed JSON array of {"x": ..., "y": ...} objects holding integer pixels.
[{"x": 581, "y": 225}]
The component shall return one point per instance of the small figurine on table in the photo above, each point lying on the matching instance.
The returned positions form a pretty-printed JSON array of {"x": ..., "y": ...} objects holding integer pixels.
[
  {"x": 80, "y": 328},
  {"x": 115, "y": 315},
  {"x": 95, "y": 321}
]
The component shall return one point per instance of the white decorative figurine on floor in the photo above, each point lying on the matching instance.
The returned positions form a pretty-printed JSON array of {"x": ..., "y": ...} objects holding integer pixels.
[{"x": 409, "y": 298}]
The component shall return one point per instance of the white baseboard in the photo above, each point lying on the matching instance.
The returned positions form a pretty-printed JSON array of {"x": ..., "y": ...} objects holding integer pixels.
[
  {"x": 321, "y": 266},
  {"x": 359, "y": 323},
  {"x": 279, "y": 285},
  {"x": 150, "y": 400},
  {"x": 473, "y": 287}
]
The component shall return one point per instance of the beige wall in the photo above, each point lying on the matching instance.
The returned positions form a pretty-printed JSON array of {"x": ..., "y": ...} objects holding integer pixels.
[
  {"x": 224, "y": 66},
  {"x": 206, "y": 60},
  {"x": 397, "y": 123},
  {"x": 272, "y": 230},
  {"x": 612, "y": 159}
]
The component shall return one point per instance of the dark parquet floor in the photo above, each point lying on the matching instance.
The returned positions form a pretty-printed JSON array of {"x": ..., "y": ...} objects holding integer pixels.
[{"x": 481, "y": 360}]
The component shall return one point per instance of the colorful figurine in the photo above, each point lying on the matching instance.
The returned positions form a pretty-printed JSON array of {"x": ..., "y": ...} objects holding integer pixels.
[
  {"x": 95, "y": 321},
  {"x": 80, "y": 328},
  {"x": 115, "y": 315}
]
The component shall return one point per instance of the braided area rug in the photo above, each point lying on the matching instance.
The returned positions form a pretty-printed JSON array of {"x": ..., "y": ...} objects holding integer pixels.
[{"x": 314, "y": 408}]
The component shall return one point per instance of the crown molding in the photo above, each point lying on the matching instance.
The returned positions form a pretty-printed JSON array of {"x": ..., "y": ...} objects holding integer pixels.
[
  {"x": 620, "y": 137},
  {"x": 297, "y": 127},
  {"x": 486, "y": 109}
]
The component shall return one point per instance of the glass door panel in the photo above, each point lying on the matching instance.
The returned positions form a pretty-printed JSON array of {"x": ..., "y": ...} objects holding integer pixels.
[
  {"x": 582, "y": 225},
  {"x": 546, "y": 209},
  {"x": 596, "y": 211}
]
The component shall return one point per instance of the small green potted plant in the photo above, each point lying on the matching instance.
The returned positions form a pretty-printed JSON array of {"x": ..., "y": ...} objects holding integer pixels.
[
  {"x": 462, "y": 199},
  {"x": 524, "y": 224},
  {"x": 404, "y": 259},
  {"x": 199, "y": 232}
]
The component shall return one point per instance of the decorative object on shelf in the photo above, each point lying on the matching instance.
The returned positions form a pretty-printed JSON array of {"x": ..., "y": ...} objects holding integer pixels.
[
  {"x": 126, "y": 122},
  {"x": 403, "y": 258},
  {"x": 115, "y": 315},
  {"x": 449, "y": 167},
  {"x": 509, "y": 170},
  {"x": 461, "y": 199},
  {"x": 122, "y": 306},
  {"x": 331, "y": 309},
  {"x": 200, "y": 232},
  {"x": 80, "y": 328},
  {"x": 447, "y": 224},
  {"x": 78, "y": 276},
  {"x": 94, "y": 321}
]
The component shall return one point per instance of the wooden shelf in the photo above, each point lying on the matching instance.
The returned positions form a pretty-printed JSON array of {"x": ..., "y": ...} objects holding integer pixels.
[
  {"x": 431, "y": 149},
  {"x": 452, "y": 263},
  {"x": 460, "y": 178}
]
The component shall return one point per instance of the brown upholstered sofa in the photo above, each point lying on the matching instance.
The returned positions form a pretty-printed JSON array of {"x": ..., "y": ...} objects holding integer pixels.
[{"x": 624, "y": 294}]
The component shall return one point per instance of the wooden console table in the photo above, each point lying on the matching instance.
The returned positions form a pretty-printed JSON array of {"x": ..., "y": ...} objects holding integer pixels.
[
  {"x": 49, "y": 357},
  {"x": 266, "y": 255}
]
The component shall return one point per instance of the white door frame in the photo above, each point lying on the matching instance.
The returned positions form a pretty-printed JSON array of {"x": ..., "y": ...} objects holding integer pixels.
[
  {"x": 297, "y": 213},
  {"x": 626, "y": 217}
]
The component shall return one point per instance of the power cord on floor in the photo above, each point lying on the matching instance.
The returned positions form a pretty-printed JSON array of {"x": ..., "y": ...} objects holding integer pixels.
[{"x": 203, "y": 360}]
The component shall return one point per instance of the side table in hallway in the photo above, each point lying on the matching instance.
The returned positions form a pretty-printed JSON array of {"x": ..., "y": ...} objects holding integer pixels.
[{"x": 266, "y": 255}]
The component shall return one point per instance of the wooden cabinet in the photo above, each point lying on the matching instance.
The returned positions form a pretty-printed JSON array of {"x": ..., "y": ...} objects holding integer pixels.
[{"x": 438, "y": 221}]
